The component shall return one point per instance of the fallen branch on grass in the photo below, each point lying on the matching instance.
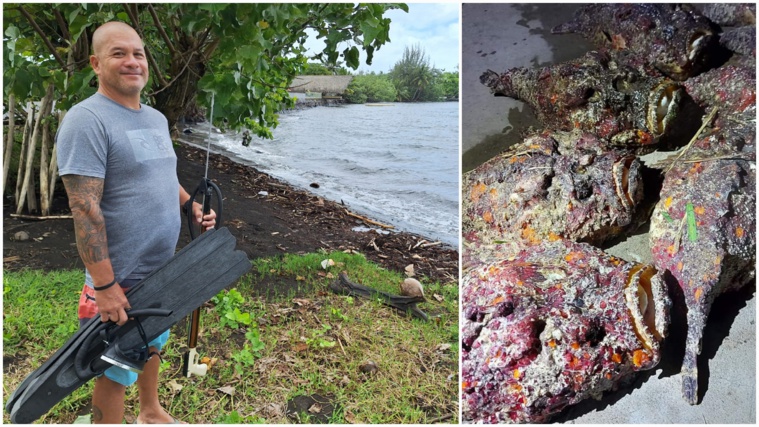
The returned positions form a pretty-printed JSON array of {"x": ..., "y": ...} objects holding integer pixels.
[{"x": 407, "y": 305}]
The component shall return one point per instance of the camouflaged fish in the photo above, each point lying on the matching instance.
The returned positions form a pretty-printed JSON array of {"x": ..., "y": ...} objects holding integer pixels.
[
  {"x": 554, "y": 184},
  {"x": 553, "y": 325},
  {"x": 675, "y": 40},
  {"x": 730, "y": 14},
  {"x": 703, "y": 230},
  {"x": 595, "y": 94},
  {"x": 742, "y": 41},
  {"x": 731, "y": 90}
]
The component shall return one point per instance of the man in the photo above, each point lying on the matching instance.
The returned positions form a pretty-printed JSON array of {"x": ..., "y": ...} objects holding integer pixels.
[{"x": 117, "y": 163}]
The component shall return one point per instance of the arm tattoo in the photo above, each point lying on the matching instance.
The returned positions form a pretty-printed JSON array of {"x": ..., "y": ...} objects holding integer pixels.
[{"x": 84, "y": 200}]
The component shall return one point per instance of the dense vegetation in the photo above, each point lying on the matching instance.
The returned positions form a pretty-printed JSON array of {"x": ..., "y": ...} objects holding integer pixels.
[
  {"x": 245, "y": 54},
  {"x": 412, "y": 79}
]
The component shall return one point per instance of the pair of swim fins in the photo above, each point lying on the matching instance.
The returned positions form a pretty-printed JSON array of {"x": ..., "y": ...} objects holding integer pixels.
[{"x": 193, "y": 276}]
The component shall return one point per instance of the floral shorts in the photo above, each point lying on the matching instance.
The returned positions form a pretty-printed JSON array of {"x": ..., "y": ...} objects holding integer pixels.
[{"x": 87, "y": 310}]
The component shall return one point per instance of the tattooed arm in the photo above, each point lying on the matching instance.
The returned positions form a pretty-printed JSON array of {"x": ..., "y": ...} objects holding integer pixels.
[{"x": 84, "y": 195}]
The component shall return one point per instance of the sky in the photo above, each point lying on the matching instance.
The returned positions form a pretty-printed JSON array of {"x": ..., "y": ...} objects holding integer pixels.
[{"x": 434, "y": 26}]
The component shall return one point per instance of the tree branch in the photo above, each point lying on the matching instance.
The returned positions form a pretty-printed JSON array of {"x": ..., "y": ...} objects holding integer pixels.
[
  {"x": 62, "y": 23},
  {"x": 153, "y": 64},
  {"x": 37, "y": 28},
  {"x": 161, "y": 30},
  {"x": 175, "y": 77}
]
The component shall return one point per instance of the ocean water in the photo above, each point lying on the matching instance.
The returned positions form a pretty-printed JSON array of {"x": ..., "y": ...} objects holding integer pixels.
[{"x": 397, "y": 164}]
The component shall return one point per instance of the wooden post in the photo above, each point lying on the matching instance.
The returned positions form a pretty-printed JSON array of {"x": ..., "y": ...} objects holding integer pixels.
[
  {"x": 27, "y": 188},
  {"x": 31, "y": 110},
  {"x": 9, "y": 145},
  {"x": 53, "y": 173},
  {"x": 45, "y": 167}
]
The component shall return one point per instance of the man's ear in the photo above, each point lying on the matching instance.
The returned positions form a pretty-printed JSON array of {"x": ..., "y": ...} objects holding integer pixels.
[{"x": 95, "y": 63}]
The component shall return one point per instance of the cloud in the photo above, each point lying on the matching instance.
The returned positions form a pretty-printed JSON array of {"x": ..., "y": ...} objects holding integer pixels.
[{"x": 435, "y": 27}]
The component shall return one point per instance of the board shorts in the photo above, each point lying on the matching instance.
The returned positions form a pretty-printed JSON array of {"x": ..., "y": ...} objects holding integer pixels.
[{"x": 88, "y": 309}]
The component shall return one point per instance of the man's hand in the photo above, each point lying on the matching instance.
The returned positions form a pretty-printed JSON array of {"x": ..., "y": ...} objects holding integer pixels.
[
  {"x": 112, "y": 304},
  {"x": 208, "y": 221}
]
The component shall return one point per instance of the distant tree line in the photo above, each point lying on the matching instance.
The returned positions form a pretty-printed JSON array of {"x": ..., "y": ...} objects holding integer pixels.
[{"x": 412, "y": 79}]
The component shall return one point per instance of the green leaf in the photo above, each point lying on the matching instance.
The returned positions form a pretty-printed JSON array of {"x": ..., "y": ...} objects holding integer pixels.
[
  {"x": 691, "y": 220},
  {"x": 12, "y": 32},
  {"x": 667, "y": 217},
  {"x": 352, "y": 57},
  {"x": 371, "y": 29}
]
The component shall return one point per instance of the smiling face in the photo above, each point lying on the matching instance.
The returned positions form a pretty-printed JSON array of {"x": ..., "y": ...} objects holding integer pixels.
[{"x": 119, "y": 62}]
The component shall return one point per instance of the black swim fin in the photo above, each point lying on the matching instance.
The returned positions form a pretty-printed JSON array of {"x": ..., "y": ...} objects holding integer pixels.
[{"x": 193, "y": 276}]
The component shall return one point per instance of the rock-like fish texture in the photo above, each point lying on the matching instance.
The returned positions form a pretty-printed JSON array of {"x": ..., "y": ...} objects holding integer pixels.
[
  {"x": 703, "y": 230},
  {"x": 731, "y": 90},
  {"x": 553, "y": 325},
  {"x": 675, "y": 40},
  {"x": 554, "y": 184},
  {"x": 730, "y": 14},
  {"x": 741, "y": 40},
  {"x": 596, "y": 94}
]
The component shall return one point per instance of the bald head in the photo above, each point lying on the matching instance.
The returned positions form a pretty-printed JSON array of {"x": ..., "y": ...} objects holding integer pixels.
[
  {"x": 119, "y": 61},
  {"x": 107, "y": 31}
]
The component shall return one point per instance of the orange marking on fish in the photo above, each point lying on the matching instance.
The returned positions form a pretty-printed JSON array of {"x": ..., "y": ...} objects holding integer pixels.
[
  {"x": 573, "y": 256},
  {"x": 618, "y": 42},
  {"x": 575, "y": 345},
  {"x": 671, "y": 250},
  {"x": 699, "y": 210},
  {"x": 488, "y": 217},
  {"x": 699, "y": 292},
  {"x": 739, "y": 232},
  {"x": 680, "y": 266},
  {"x": 668, "y": 202},
  {"x": 552, "y": 343},
  {"x": 696, "y": 168},
  {"x": 640, "y": 358},
  {"x": 499, "y": 299},
  {"x": 517, "y": 374},
  {"x": 644, "y": 137},
  {"x": 529, "y": 234},
  {"x": 616, "y": 358},
  {"x": 575, "y": 363},
  {"x": 553, "y": 237},
  {"x": 477, "y": 192}
]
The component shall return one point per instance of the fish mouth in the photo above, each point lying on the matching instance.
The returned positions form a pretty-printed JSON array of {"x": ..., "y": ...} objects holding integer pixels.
[
  {"x": 696, "y": 44},
  {"x": 626, "y": 175},
  {"x": 646, "y": 298},
  {"x": 663, "y": 106}
]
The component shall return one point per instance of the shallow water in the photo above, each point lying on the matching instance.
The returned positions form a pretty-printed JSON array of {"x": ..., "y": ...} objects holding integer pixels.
[{"x": 398, "y": 164}]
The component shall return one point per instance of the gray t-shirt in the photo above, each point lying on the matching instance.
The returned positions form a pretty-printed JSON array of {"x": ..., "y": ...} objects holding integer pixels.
[{"x": 132, "y": 151}]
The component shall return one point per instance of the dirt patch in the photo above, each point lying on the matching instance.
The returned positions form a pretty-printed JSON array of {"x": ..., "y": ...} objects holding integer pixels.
[{"x": 284, "y": 220}]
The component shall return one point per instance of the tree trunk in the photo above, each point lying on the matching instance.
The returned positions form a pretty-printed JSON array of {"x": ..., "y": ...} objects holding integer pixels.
[
  {"x": 11, "y": 141},
  {"x": 31, "y": 111},
  {"x": 175, "y": 100},
  {"x": 28, "y": 186},
  {"x": 54, "y": 162},
  {"x": 45, "y": 170}
]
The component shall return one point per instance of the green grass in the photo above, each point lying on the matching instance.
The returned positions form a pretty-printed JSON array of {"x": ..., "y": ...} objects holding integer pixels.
[{"x": 295, "y": 338}]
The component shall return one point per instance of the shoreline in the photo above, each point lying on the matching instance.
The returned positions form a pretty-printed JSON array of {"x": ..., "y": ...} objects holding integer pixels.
[{"x": 285, "y": 220}]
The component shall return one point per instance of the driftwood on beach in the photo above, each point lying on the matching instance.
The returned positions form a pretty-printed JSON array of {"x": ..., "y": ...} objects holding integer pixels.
[{"x": 407, "y": 305}]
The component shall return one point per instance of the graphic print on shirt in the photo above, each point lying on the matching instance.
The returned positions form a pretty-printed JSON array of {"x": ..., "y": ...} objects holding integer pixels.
[{"x": 149, "y": 144}]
